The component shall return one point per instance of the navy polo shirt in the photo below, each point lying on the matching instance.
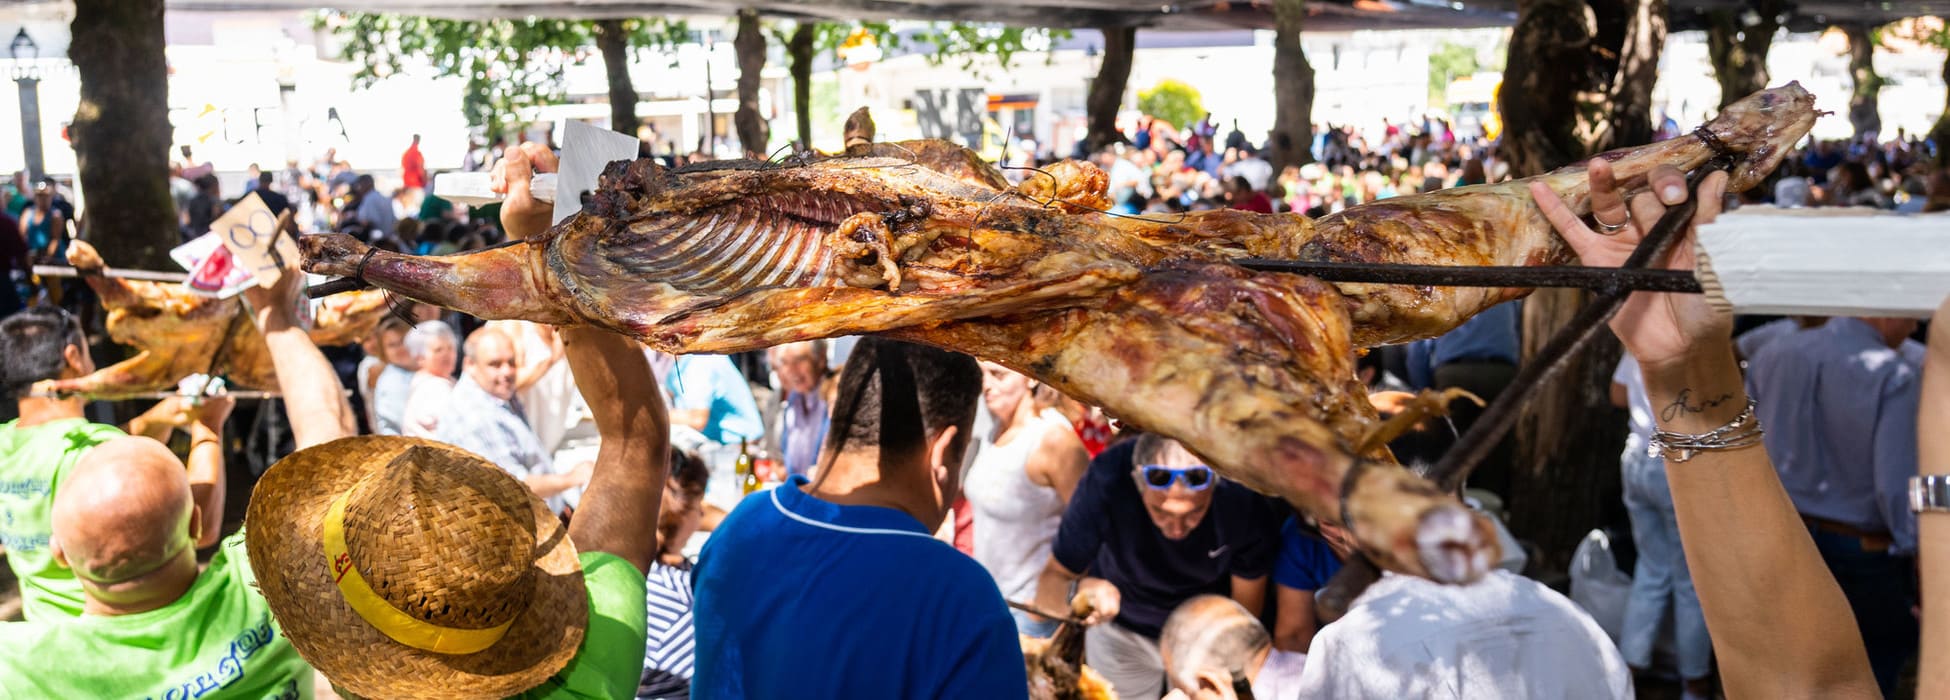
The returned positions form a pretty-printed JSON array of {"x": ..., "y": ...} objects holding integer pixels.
[
  {"x": 802, "y": 598},
  {"x": 1305, "y": 562},
  {"x": 1107, "y": 533}
]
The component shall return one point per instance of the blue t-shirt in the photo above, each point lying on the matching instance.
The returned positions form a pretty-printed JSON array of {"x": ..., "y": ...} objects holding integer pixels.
[
  {"x": 711, "y": 382},
  {"x": 806, "y": 599},
  {"x": 1305, "y": 562},
  {"x": 1107, "y": 533}
]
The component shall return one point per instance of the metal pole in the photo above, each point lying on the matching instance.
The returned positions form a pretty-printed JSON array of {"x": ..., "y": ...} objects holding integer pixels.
[{"x": 30, "y": 124}]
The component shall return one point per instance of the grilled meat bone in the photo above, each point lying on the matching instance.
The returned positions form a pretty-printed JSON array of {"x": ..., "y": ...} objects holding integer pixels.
[{"x": 1148, "y": 318}]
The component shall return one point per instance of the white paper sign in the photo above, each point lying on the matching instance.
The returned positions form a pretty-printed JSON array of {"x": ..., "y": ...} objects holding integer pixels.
[
  {"x": 213, "y": 270},
  {"x": 251, "y": 233},
  {"x": 586, "y": 150}
]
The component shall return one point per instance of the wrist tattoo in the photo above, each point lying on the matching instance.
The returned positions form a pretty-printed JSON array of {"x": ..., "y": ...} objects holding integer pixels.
[{"x": 1683, "y": 404}]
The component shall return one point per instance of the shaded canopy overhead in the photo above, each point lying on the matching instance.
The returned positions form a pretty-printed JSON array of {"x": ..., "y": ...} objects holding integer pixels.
[{"x": 1324, "y": 15}]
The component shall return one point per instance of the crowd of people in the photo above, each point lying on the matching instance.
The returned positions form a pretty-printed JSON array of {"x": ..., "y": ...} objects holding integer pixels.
[{"x": 508, "y": 508}]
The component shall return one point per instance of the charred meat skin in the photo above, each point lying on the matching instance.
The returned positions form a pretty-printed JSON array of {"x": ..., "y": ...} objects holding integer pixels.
[
  {"x": 1147, "y": 318},
  {"x": 178, "y": 333}
]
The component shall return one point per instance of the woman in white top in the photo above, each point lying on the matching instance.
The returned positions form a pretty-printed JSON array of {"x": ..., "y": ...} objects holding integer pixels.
[
  {"x": 1018, "y": 487},
  {"x": 432, "y": 345}
]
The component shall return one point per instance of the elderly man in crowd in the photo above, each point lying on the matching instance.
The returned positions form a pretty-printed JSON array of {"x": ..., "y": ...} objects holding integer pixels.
[
  {"x": 571, "y": 619},
  {"x": 128, "y": 526},
  {"x": 1213, "y": 649},
  {"x": 39, "y": 449},
  {"x": 801, "y": 368},
  {"x": 1148, "y": 528},
  {"x": 482, "y": 417}
]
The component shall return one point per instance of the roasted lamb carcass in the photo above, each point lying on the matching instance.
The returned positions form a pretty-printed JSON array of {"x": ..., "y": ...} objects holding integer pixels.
[
  {"x": 178, "y": 333},
  {"x": 1149, "y": 319}
]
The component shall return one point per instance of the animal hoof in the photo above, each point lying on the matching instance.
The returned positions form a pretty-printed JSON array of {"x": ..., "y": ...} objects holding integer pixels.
[{"x": 1456, "y": 545}]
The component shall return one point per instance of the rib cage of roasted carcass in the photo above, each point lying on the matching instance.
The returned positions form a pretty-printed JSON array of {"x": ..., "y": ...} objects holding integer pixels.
[
  {"x": 177, "y": 333},
  {"x": 1145, "y": 316}
]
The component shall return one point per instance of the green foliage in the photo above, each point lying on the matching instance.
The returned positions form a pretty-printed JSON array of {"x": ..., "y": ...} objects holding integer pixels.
[
  {"x": 1174, "y": 102},
  {"x": 1448, "y": 62},
  {"x": 969, "y": 42},
  {"x": 508, "y": 64}
]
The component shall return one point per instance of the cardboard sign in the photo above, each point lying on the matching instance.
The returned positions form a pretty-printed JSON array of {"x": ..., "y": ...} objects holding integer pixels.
[
  {"x": 251, "y": 232},
  {"x": 586, "y": 150},
  {"x": 214, "y": 271}
]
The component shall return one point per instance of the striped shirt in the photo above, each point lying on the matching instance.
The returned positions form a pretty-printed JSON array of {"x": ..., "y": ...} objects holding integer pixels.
[{"x": 668, "y": 654}]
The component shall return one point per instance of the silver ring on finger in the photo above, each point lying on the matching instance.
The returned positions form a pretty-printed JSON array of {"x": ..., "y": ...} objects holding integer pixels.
[{"x": 1611, "y": 229}]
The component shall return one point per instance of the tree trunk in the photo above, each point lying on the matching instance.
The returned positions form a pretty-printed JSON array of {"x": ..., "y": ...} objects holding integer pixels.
[
  {"x": 753, "y": 132},
  {"x": 1579, "y": 79},
  {"x": 1940, "y": 133},
  {"x": 1106, "y": 96},
  {"x": 615, "y": 45},
  {"x": 1739, "y": 51},
  {"x": 1630, "y": 95},
  {"x": 121, "y": 131},
  {"x": 1547, "y": 71},
  {"x": 1293, "y": 88},
  {"x": 800, "y": 48},
  {"x": 1864, "y": 113}
]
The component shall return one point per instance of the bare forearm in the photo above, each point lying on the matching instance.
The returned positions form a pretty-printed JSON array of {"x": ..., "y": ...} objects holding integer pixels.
[
  {"x": 1933, "y": 529},
  {"x": 1736, "y": 522},
  {"x": 312, "y": 398},
  {"x": 626, "y": 487},
  {"x": 545, "y": 485},
  {"x": 206, "y": 474},
  {"x": 693, "y": 418},
  {"x": 1053, "y": 588}
]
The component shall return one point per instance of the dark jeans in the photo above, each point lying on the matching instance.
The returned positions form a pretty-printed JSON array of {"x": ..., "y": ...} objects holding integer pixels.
[{"x": 1880, "y": 590}]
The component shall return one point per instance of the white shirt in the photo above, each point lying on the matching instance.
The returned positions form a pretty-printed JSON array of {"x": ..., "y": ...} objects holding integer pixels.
[
  {"x": 1505, "y": 637},
  {"x": 1279, "y": 676},
  {"x": 426, "y": 402}
]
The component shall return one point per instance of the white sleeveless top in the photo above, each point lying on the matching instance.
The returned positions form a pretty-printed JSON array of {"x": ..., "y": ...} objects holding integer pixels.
[{"x": 1014, "y": 518}]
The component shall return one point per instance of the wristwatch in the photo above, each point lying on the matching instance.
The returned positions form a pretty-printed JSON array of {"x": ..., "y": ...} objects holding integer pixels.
[{"x": 1929, "y": 493}]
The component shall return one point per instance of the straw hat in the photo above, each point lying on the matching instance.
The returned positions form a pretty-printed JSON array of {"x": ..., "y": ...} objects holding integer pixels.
[{"x": 452, "y": 579}]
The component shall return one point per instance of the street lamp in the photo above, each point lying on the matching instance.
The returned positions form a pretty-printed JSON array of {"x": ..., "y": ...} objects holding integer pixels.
[{"x": 28, "y": 76}]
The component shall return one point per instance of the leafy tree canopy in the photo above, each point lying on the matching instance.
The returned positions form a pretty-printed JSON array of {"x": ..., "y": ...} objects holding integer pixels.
[
  {"x": 1174, "y": 102},
  {"x": 508, "y": 64}
]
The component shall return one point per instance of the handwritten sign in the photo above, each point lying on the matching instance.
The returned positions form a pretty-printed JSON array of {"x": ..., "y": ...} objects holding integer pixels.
[
  {"x": 251, "y": 232},
  {"x": 213, "y": 270}
]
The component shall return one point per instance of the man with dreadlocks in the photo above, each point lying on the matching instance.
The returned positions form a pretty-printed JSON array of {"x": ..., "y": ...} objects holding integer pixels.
[{"x": 894, "y": 612}]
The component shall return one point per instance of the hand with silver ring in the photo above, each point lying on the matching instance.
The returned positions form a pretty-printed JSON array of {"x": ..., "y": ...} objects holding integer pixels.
[{"x": 1607, "y": 202}]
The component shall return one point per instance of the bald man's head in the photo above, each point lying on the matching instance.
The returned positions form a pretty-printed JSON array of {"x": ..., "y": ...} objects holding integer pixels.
[
  {"x": 123, "y": 513},
  {"x": 1210, "y": 633}
]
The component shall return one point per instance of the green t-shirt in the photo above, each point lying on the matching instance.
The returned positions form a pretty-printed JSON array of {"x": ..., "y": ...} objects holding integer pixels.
[
  {"x": 32, "y": 462},
  {"x": 610, "y": 662},
  {"x": 217, "y": 641}
]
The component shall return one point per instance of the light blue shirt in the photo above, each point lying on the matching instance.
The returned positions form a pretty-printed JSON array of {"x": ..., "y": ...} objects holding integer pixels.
[
  {"x": 711, "y": 382},
  {"x": 803, "y": 429},
  {"x": 1490, "y": 336},
  {"x": 492, "y": 428},
  {"x": 389, "y": 399},
  {"x": 1839, "y": 407}
]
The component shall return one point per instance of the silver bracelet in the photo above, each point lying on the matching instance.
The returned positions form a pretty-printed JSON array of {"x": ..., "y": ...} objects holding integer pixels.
[
  {"x": 1743, "y": 431},
  {"x": 1929, "y": 493}
]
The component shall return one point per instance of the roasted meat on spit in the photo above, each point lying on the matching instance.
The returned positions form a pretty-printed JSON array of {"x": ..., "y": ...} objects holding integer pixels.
[
  {"x": 1148, "y": 318},
  {"x": 178, "y": 333}
]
